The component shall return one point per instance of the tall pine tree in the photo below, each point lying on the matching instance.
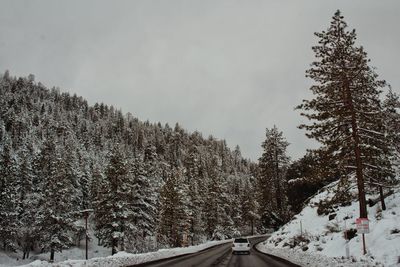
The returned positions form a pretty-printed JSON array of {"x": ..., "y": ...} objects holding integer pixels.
[
  {"x": 9, "y": 198},
  {"x": 346, "y": 112},
  {"x": 272, "y": 166},
  {"x": 113, "y": 209}
]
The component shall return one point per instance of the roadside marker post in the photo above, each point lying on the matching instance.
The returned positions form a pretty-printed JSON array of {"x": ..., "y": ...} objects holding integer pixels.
[
  {"x": 363, "y": 228},
  {"x": 347, "y": 248}
]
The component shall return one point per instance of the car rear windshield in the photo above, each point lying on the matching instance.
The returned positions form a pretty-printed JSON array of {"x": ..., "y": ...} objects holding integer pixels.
[{"x": 241, "y": 240}]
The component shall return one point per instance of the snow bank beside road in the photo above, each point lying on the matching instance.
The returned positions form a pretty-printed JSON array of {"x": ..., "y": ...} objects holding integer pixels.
[
  {"x": 124, "y": 259},
  {"x": 307, "y": 259},
  {"x": 317, "y": 241}
]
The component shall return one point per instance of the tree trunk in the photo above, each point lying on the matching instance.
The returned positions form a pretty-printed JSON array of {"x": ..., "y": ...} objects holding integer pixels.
[
  {"x": 26, "y": 248},
  {"x": 114, "y": 246},
  {"x": 122, "y": 240},
  {"x": 192, "y": 231},
  {"x": 52, "y": 255},
  {"x": 382, "y": 198},
  {"x": 277, "y": 183},
  {"x": 357, "y": 153}
]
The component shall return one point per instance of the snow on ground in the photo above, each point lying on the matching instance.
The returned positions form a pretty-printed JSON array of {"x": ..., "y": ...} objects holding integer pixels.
[
  {"x": 312, "y": 240},
  {"x": 10, "y": 259},
  {"x": 307, "y": 259},
  {"x": 98, "y": 255},
  {"x": 124, "y": 259},
  {"x": 94, "y": 250}
]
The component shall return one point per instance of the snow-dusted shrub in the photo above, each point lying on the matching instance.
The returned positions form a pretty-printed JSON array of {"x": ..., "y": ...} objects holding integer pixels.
[
  {"x": 394, "y": 231},
  {"x": 378, "y": 214},
  {"x": 350, "y": 233},
  {"x": 299, "y": 240},
  {"x": 218, "y": 234},
  {"x": 324, "y": 208},
  {"x": 333, "y": 227}
]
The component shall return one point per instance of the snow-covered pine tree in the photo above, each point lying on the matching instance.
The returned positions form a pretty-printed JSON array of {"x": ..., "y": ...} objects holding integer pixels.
[
  {"x": 271, "y": 179},
  {"x": 195, "y": 201},
  {"x": 237, "y": 157},
  {"x": 55, "y": 216},
  {"x": 218, "y": 222},
  {"x": 84, "y": 179},
  {"x": 391, "y": 107},
  {"x": 234, "y": 205},
  {"x": 250, "y": 206},
  {"x": 173, "y": 215},
  {"x": 113, "y": 210},
  {"x": 305, "y": 177},
  {"x": 27, "y": 232},
  {"x": 9, "y": 198},
  {"x": 346, "y": 112},
  {"x": 97, "y": 174},
  {"x": 144, "y": 201},
  {"x": 73, "y": 173}
]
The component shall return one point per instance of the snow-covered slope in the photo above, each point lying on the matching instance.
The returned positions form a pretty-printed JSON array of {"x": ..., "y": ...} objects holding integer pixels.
[{"x": 314, "y": 240}]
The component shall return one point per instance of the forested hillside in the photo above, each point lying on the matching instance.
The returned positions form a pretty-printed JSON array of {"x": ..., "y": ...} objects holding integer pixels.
[{"x": 149, "y": 185}]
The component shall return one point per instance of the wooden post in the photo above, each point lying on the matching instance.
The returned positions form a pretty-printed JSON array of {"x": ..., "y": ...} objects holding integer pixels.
[
  {"x": 52, "y": 255},
  {"x": 301, "y": 228},
  {"x": 382, "y": 198},
  {"x": 364, "y": 246},
  {"x": 347, "y": 248},
  {"x": 86, "y": 232}
]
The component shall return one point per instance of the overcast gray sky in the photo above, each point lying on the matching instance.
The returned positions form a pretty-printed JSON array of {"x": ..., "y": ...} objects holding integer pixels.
[{"x": 226, "y": 68}]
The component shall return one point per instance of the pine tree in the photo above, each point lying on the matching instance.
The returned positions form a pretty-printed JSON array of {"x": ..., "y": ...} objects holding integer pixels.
[
  {"x": 143, "y": 206},
  {"x": 55, "y": 216},
  {"x": 113, "y": 210},
  {"x": 9, "y": 199},
  {"x": 392, "y": 121},
  {"x": 250, "y": 206},
  {"x": 173, "y": 216},
  {"x": 195, "y": 201},
  {"x": 305, "y": 177},
  {"x": 27, "y": 233},
  {"x": 273, "y": 165},
  {"x": 218, "y": 222},
  {"x": 73, "y": 174},
  {"x": 346, "y": 110}
]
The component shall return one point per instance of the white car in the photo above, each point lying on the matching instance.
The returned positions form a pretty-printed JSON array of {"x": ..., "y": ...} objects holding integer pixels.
[{"x": 241, "y": 245}]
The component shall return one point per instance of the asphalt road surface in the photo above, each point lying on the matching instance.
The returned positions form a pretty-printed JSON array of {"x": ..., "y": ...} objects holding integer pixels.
[{"x": 222, "y": 256}]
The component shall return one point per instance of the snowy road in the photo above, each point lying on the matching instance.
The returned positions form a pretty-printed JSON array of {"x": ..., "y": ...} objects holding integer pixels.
[{"x": 221, "y": 255}]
